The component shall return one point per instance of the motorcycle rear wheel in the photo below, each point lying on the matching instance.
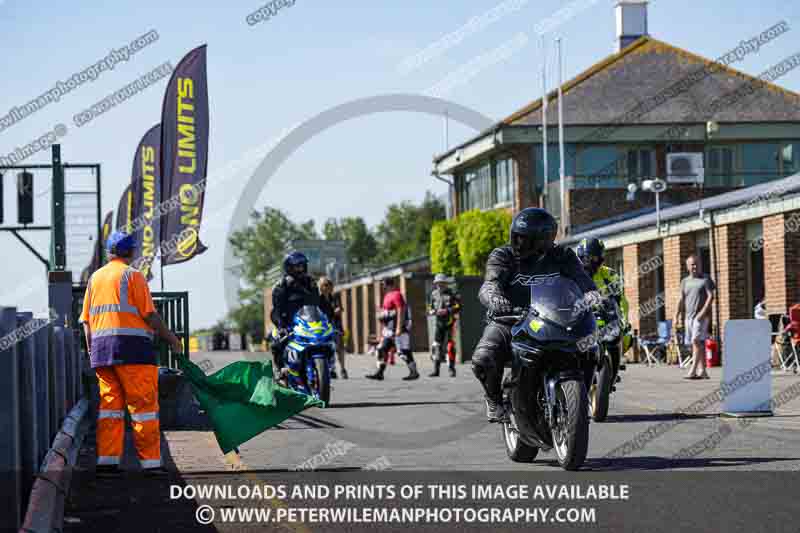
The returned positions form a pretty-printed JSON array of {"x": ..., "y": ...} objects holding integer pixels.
[
  {"x": 601, "y": 390},
  {"x": 571, "y": 429}
]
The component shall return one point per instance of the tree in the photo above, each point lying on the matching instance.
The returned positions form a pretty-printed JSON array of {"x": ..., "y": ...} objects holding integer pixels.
[
  {"x": 248, "y": 318},
  {"x": 361, "y": 244},
  {"x": 405, "y": 232},
  {"x": 260, "y": 246}
]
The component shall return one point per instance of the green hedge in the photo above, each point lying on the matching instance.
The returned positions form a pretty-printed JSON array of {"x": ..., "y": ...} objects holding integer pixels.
[
  {"x": 444, "y": 248},
  {"x": 462, "y": 245}
]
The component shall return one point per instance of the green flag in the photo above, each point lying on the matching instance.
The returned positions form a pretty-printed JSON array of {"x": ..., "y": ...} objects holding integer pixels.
[{"x": 242, "y": 400}]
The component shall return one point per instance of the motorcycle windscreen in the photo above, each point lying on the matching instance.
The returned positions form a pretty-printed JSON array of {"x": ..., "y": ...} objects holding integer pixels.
[
  {"x": 312, "y": 313},
  {"x": 557, "y": 299}
]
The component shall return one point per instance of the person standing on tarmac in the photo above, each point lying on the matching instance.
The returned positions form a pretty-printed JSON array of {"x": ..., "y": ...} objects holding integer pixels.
[
  {"x": 331, "y": 305},
  {"x": 119, "y": 321},
  {"x": 510, "y": 270},
  {"x": 591, "y": 253},
  {"x": 396, "y": 318},
  {"x": 294, "y": 290},
  {"x": 445, "y": 304}
]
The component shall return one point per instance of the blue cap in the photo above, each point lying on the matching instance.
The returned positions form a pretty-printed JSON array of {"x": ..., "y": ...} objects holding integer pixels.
[{"x": 120, "y": 242}]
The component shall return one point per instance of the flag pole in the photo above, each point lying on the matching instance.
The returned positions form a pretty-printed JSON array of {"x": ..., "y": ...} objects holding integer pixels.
[
  {"x": 544, "y": 114},
  {"x": 562, "y": 178}
]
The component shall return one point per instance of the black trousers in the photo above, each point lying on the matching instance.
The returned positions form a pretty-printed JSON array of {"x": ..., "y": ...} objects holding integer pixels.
[
  {"x": 491, "y": 354},
  {"x": 442, "y": 337}
]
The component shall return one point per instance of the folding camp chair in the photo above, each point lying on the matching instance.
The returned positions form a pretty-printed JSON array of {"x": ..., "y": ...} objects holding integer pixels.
[
  {"x": 792, "y": 360},
  {"x": 657, "y": 345},
  {"x": 786, "y": 348}
]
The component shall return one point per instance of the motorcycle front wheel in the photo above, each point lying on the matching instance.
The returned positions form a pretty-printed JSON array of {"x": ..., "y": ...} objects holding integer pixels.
[
  {"x": 517, "y": 451},
  {"x": 571, "y": 425},
  {"x": 323, "y": 380}
]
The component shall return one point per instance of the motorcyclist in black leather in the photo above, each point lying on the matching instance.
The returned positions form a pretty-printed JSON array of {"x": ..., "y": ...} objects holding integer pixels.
[
  {"x": 506, "y": 290},
  {"x": 295, "y": 290}
]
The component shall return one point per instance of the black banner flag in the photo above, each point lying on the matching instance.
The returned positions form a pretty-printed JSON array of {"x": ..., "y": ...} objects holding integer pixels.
[
  {"x": 146, "y": 196},
  {"x": 124, "y": 210},
  {"x": 184, "y": 157},
  {"x": 99, "y": 248}
]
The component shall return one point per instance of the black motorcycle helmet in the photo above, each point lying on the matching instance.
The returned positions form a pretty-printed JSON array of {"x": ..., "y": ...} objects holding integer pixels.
[
  {"x": 590, "y": 252},
  {"x": 295, "y": 264},
  {"x": 533, "y": 232}
]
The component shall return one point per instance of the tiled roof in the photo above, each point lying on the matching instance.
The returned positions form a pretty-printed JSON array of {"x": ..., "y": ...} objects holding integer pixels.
[{"x": 615, "y": 86}]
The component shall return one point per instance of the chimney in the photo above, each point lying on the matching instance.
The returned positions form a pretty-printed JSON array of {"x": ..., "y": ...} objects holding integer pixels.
[{"x": 631, "y": 21}]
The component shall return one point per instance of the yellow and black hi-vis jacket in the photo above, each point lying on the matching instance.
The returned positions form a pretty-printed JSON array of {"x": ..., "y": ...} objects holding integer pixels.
[{"x": 610, "y": 284}]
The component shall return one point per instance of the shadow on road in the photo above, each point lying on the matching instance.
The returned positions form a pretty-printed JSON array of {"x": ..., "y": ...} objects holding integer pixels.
[
  {"x": 668, "y": 463},
  {"x": 396, "y": 404},
  {"x": 655, "y": 417}
]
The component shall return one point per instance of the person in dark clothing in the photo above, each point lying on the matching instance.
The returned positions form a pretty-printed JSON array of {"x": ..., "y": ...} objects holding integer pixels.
[
  {"x": 510, "y": 271},
  {"x": 445, "y": 304},
  {"x": 295, "y": 290},
  {"x": 331, "y": 305}
]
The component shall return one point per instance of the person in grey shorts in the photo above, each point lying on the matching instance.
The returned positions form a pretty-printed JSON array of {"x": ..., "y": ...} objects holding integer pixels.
[{"x": 697, "y": 295}]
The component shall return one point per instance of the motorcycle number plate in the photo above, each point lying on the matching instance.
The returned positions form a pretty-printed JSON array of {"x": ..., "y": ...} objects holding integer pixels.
[{"x": 291, "y": 356}]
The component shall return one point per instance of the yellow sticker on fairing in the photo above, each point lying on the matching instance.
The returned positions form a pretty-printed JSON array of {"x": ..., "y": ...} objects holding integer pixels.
[{"x": 536, "y": 325}]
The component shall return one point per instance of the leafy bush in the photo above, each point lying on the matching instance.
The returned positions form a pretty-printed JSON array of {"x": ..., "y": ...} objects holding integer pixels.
[
  {"x": 479, "y": 232},
  {"x": 444, "y": 248}
]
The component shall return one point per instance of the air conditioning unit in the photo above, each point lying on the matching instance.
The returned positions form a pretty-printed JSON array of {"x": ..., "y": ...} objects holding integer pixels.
[{"x": 685, "y": 168}]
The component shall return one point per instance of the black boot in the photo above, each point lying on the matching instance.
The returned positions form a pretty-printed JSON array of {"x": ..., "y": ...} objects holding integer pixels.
[
  {"x": 378, "y": 373},
  {"x": 412, "y": 372},
  {"x": 435, "y": 373},
  {"x": 452, "y": 370}
]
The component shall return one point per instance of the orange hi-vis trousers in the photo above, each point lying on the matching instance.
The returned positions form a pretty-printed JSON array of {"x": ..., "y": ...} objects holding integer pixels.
[{"x": 134, "y": 386}]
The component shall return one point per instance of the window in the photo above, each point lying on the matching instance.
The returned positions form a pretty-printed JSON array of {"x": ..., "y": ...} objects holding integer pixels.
[
  {"x": 490, "y": 185},
  {"x": 719, "y": 165},
  {"x": 790, "y": 158},
  {"x": 598, "y": 166},
  {"x": 504, "y": 181},
  {"x": 553, "y": 161},
  {"x": 759, "y": 162},
  {"x": 640, "y": 163},
  {"x": 754, "y": 266}
]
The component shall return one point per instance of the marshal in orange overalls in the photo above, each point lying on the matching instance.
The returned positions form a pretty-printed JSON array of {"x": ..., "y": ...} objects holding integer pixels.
[{"x": 116, "y": 303}]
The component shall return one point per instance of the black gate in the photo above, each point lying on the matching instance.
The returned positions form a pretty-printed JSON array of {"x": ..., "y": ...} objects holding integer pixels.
[{"x": 173, "y": 308}]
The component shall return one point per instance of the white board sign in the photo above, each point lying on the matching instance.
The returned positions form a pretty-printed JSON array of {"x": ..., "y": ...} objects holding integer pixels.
[{"x": 746, "y": 367}]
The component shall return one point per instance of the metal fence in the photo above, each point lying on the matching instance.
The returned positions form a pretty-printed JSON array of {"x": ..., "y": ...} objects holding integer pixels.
[
  {"x": 40, "y": 382},
  {"x": 173, "y": 308}
]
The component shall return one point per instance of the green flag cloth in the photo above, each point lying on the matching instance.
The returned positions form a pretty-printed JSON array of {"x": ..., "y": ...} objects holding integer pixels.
[{"x": 242, "y": 400}]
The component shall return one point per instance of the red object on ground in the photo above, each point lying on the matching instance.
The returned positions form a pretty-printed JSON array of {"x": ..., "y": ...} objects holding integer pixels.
[
  {"x": 794, "y": 325},
  {"x": 712, "y": 353}
]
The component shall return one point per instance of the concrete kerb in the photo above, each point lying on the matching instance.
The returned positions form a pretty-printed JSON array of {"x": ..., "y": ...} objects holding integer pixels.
[
  {"x": 46, "y": 504},
  {"x": 278, "y": 155}
]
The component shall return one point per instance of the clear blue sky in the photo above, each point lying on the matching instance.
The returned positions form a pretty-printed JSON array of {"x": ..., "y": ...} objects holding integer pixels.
[{"x": 311, "y": 56}]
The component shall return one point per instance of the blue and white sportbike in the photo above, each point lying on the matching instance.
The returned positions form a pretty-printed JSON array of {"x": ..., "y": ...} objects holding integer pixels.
[{"x": 309, "y": 353}]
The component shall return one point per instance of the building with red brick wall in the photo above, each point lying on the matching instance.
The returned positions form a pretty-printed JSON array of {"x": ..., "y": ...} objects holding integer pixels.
[
  {"x": 748, "y": 242},
  {"x": 622, "y": 117}
]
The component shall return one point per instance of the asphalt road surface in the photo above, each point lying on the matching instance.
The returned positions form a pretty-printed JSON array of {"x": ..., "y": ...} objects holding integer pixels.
[{"x": 438, "y": 424}]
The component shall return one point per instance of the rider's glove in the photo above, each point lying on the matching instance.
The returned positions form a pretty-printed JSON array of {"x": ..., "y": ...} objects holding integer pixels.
[{"x": 500, "y": 306}]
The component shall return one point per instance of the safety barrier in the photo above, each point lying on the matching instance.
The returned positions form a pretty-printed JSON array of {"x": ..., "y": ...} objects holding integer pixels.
[{"x": 40, "y": 382}]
